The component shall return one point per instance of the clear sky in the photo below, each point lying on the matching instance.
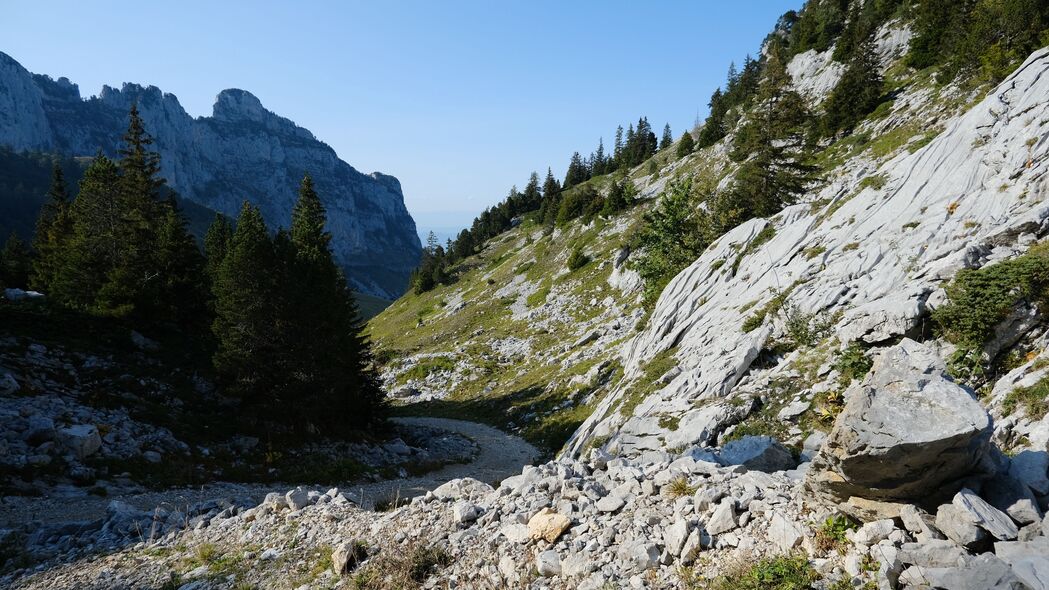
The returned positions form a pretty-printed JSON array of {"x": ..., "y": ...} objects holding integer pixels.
[{"x": 458, "y": 99}]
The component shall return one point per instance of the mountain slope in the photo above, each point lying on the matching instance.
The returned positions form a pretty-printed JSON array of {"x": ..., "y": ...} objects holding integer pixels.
[{"x": 241, "y": 152}]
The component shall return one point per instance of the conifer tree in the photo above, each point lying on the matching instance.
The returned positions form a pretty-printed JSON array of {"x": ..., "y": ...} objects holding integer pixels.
[
  {"x": 246, "y": 333},
  {"x": 577, "y": 172},
  {"x": 668, "y": 137},
  {"x": 771, "y": 146},
  {"x": 857, "y": 93},
  {"x": 179, "y": 291},
  {"x": 686, "y": 145},
  {"x": 617, "y": 150},
  {"x": 532, "y": 196},
  {"x": 216, "y": 244},
  {"x": 54, "y": 229}
]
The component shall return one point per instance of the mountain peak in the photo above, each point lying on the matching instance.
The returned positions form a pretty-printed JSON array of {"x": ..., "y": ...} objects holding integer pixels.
[{"x": 234, "y": 104}]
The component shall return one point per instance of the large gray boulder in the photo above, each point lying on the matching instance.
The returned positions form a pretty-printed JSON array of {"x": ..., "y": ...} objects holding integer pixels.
[
  {"x": 907, "y": 432},
  {"x": 760, "y": 453},
  {"x": 82, "y": 440}
]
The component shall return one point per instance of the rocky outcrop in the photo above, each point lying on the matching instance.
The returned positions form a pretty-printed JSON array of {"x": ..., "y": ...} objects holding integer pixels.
[
  {"x": 870, "y": 249},
  {"x": 242, "y": 152},
  {"x": 907, "y": 432}
]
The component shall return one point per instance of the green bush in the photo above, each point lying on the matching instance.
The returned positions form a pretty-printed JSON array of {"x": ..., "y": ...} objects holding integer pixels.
[
  {"x": 1034, "y": 400},
  {"x": 852, "y": 363},
  {"x": 786, "y": 572},
  {"x": 577, "y": 259},
  {"x": 979, "y": 299}
]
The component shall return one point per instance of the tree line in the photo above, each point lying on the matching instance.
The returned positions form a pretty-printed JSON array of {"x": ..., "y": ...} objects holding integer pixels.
[{"x": 274, "y": 309}]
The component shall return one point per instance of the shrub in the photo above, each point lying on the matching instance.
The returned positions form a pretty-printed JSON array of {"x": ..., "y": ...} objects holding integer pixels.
[
  {"x": 786, "y": 572},
  {"x": 852, "y": 363},
  {"x": 979, "y": 299},
  {"x": 831, "y": 534},
  {"x": 679, "y": 488},
  {"x": 577, "y": 260},
  {"x": 1034, "y": 400}
]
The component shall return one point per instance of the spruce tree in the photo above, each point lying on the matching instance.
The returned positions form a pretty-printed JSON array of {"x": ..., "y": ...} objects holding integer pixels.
[
  {"x": 180, "y": 289},
  {"x": 216, "y": 244},
  {"x": 857, "y": 93},
  {"x": 54, "y": 228},
  {"x": 337, "y": 380},
  {"x": 686, "y": 145},
  {"x": 532, "y": 196},
  {"x": 246, "y": 329},
  {"x": 668, "y": 137},
  {"x": 774, "y": 169}
]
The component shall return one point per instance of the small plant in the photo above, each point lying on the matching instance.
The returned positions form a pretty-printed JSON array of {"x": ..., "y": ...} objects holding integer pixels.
[
  {"x": 679, "y": 488},
  {"x": 1034, "y": 400},
  {"x": 875, "y": 182},
  {"x": 577, "y": 260},
  {"x": 786, "y": 572},
  {"x": 831, "y": 534},
  {"x": 814, "y": 251},
  {"x": 804, "y": 328},
  {"x": 850, "y": 246},
  {"x": 911, "y": 225},
  {"x": 852, "y": 364}
]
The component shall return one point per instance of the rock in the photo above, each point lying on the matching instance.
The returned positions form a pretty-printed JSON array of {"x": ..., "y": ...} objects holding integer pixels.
[
  {"x": 920, "y": 523},
  {"x": 465, "y": 488},
  {"x": 82, "y": 440},
  {"x": 398, "y": 447},
  {"x": 8, "y": 384},
  {"x": 784, "y": 533},
  {"x": 548, "y": 525},
  {"x": 40, "y": 429},
  {"x": 347, "y": 556},
  {"x": 872, "y": 532},
  {"x": 956, "y": 523},
  {"x": 1031, "y": 468},
  {"x": 812, "y": 445},
  {"x": 983, "y": 572},
  {"x": 637, "y": 555},
  {"x": 907, "y": 432},
  {"x": 792, "y": 410},
  {"x": 610, "y": 503},
  {"x": 548, "y": 563},
  {"x": 675, "y": 535},
  {"x": 936, "y": 554},
  {"x": 269, "y": 554},
  {"x": 985, "y": 516},
  {"x": 464, "y": 512},
  {"x": 152, "y": 456},
  {"x": 1013, "y": 497},
  {"x": 1028, "y": 560},
  {"x": 724, "y": 517},
  {"x": 142, "y": 343},
  {"x": 575, "y": 565},
  {"x": 507, "y": 567},
  {"x": 761, "y": 453},
  {"x": 515, "y": 532},
  {"x": 297, "y": 499}
]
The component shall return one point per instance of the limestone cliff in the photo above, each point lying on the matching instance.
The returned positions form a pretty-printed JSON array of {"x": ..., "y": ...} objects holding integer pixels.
[{"x": 242, "y": 152}]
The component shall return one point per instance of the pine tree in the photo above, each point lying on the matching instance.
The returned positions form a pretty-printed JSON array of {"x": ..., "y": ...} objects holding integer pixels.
[
  {"x": 771, "y": 147},
  {"x": 858, "y": 92},
  {"x": 671, "y": 238},
  {"x": 532, "y": 196},
  {"x": 577, "y": 172},
  {"x": 245, "y": 329},
  {"x": 326, "y": 351},
  {"x": 14, "y": 263},
  {"x": 600, "y": 163},
  {"x": 54, "y": 229},
  {"x": 216, "y": 244},
  {"x": 82, "y": 265},
  {"x": 180, "y": 290},
  {"x": 617, "y": 148},
  {"x": 668, "y": 137},
  {"x": 686, "y": 145}
]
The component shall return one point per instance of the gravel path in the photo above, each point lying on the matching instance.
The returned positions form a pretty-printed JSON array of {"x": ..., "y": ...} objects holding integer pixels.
[{"x": 501, "y": 455}]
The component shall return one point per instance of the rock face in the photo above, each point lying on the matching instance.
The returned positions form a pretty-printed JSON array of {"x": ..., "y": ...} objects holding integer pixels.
[
  {"x": 868, "y": 253},
  {"x": 907, "y": 432},
  {"x": 242, "y": 152}
]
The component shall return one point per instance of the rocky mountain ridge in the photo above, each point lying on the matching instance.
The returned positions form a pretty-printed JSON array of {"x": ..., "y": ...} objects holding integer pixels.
[{"x": 241, "y": 152}]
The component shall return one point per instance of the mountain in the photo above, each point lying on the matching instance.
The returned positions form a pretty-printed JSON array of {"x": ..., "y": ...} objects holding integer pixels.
[{"x": 241, "y": 152}]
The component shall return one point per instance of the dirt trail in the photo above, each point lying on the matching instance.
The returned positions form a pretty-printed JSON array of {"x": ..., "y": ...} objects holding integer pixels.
[{"x": 501, "y": 455}]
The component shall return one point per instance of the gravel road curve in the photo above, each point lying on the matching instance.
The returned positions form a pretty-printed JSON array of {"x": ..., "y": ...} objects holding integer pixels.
[{"x": 501, "y": 455}]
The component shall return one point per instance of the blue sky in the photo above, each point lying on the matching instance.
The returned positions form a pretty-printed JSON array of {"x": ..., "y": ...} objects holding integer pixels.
[{"x": 458, "y": 99}]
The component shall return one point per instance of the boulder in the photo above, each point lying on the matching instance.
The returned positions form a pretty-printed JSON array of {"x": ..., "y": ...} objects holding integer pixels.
[
  {"x": 1032, "y": 468},
  {"x": 8, "y": 384},
  {"x": 548, "y": 563},
  {"x": 610, "y": 503},
  {"x": 784, "y": 533},
  {"x": 297, "y": 499},
  {"x": 761, "y": 453},
  {"x": 956, "y": 524},
  {"x": 347, "y": 556},
  {"x": 985, "y": 516},
  {"x": 82, "y": 439},
  {"x": 1029, "y": 561},
  {"x": 1013, "y": 497},
  {"x": 40, "y": 429},
  {"x": 638, "y": 555},
  {"x": 907, "y": 432},
  {"x": 675, "y": 535},
  {"x": 723, "y": 519},
  {"x": 465, "y": 512},
  {"x": 465, "y": 488},
  {"x": 547, "y": 525}
]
